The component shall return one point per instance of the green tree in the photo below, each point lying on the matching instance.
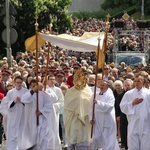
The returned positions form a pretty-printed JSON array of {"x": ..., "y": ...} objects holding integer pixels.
[
  {"x": 125, "y": 4},
  {"x": 26, "y": 11},
  {"x": 146, "y": 6},
  {"x": 117, "y": 3},
  {"x": 121, "y": 5}
]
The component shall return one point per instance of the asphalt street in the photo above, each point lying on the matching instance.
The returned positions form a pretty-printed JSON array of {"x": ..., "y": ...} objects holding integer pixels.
[{"x": 4, "y": 146}]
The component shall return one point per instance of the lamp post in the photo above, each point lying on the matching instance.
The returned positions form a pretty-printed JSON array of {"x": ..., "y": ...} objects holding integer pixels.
[
  {"x": 8, "y": 47},
  {"x": 142, "y": 9}
]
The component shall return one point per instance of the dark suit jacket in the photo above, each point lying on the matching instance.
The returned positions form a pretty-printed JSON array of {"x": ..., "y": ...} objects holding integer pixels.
[
  {"x": 123, "y": 117},
  {"x": 118, "y": 98}
]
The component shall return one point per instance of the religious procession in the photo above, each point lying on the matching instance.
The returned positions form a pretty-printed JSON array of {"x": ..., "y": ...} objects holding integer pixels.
[{"x": 86, "y": 89}]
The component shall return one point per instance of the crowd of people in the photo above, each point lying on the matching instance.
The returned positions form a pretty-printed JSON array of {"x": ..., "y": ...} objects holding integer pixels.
[
  {"x": 65, "y": 96},
  {"x": 131, "y": 43}
]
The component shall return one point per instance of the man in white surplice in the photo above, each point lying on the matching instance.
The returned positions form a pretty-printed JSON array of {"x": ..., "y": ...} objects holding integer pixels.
[
  {"x": 104, "y": 122},
  {"x": 58, "y": 104},
  {"x": 14, "y": 114},
  {"x": 136, "y": 105},
  {"x": 33, "y": 134}
]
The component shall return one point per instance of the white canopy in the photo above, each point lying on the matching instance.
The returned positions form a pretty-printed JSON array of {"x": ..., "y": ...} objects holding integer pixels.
[{"x": 87, "y": 43}]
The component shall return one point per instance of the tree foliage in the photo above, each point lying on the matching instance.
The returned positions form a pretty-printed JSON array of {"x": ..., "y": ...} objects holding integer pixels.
[
  {"x": 117, "y": 3},
  {"x": 124, "y": 4},
  {"x": 26, "y": 11},
  {"x": 146, "y": 7}
]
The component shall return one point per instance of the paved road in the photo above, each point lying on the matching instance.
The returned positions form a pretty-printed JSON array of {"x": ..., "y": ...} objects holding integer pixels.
[{"x": 4, "y": 146}]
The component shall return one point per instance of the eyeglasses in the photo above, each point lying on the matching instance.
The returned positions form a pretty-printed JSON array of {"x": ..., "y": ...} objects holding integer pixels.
[
  {"x": 106, "y": 69},
  {"x": 4, "y": 74}
]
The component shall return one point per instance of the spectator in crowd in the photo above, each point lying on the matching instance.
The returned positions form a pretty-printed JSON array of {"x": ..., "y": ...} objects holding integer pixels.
[
  {"x": 1, "y": 120},
  {"x": 91, "y": 80},
  {"x": 127, "y": 85},
  {"x": 59, "y": 78},
  {"x": 67, "y": 72},
  {"x": 106, "y": 72},
  {"x": 118, "y": 94},
  {"x": 76, "y": 66},
  {"x": 147, "y": 83},
  {"x": 64, "y": 89},
  {"x": 115, "y": 73},
  {"x": 4, "y": 81}
]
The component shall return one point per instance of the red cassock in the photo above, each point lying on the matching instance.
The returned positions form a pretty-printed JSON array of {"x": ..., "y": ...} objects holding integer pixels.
[
  {"x": 70, "y": 81},
  {"x": 2, "y": 93},
  {"x": 2, "y": 90}
]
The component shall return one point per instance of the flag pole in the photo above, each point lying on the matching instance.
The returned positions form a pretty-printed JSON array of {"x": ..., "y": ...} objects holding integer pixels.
[
  {"x": 48, "y": 56},
  {"x": 105, "y": 43},
  {"x": 104, "y": 48},
  {"x": 96, "y": 72},
  {"x": 37, "y": 62}
]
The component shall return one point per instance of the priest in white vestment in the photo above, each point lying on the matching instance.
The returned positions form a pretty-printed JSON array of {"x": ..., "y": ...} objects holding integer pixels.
[
  {"x": 136, "y": 105},
  {"x": 104, "y": 135},
  {"x": 76, "y": 113},
  {"x": 15, "y": 110},
  {"x": 32, "y": 133}
]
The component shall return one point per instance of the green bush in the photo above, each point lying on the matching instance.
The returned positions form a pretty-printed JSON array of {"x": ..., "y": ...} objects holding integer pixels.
[
  {"x": 130, "y": 11},
  {"x": 87, "y": 15},
  {"x": 115, "y": 13}
]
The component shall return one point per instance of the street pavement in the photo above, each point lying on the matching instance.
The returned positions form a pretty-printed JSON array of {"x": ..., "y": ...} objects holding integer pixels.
[{"x": 4, "y": 146}]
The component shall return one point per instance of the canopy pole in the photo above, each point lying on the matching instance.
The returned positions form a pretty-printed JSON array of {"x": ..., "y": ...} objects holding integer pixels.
[
  {"x": 48, "y": 55},
  {"x": 37, "y": 62},
  {"x": 97, "y": 63},
  {"x": 105, "y": 47},
  {"x": 96, "y": 72},
  {"x": 48, "y": 60}
]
